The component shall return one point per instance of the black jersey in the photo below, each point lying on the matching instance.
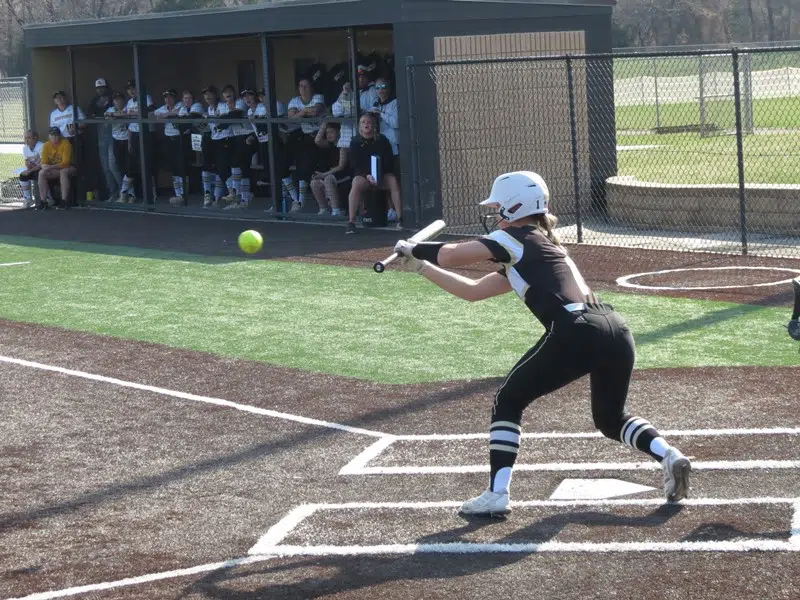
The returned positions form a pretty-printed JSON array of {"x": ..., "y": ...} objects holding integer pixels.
[{"x": 539, "y": 271}]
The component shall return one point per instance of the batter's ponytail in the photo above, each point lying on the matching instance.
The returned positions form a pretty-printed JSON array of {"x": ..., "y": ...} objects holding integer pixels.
[{"x": 547, "y": 223}]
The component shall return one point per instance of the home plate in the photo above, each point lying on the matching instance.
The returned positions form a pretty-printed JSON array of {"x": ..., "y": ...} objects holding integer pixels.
[{"x": 596, "y": 489}]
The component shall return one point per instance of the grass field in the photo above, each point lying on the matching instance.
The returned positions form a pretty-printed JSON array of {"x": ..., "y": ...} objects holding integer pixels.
[
  {"x": 768, "y": 113},
  {"x": 681, "y": 66},
  {"x": 9, "y": 162},
  {"x": 268, "y": 311},
  {"x": 688, "y": 158}
]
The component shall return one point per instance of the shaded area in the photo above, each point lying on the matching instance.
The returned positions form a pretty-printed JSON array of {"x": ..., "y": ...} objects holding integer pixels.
[{"x": 211, "y": 238}]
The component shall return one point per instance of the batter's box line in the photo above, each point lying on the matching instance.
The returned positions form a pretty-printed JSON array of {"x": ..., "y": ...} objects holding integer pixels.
[
  {"x": 270, "y": 543},
  {"x": 360, "y": 464}
]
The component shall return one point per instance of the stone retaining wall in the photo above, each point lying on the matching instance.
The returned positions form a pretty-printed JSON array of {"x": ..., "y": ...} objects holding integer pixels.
[{"x": 771, "y": 208}]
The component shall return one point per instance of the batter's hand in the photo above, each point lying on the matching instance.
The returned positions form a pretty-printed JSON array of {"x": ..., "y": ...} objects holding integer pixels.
[{"x": 404, "y": 248}]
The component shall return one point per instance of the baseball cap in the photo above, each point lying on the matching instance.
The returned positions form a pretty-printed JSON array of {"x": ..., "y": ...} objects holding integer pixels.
[
  {"x": 59, "y": 93},
  {"x": 171, "y": 92},
  {"x": 54, "y": 131},
  {"x": 131, "y": 83},
  {"x": 117, "y": 95},
  {"x": 101, "y": 82},
  {"x": 362, "y": 69},
  {"x": 210, "y": 88},
  {"x": 248, "y": 92}
]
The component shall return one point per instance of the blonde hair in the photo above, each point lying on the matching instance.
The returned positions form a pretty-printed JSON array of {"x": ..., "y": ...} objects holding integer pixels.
[{"x": 547, "y": 224}]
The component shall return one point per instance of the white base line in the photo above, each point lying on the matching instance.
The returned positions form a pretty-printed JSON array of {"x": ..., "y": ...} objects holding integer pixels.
[
  {"x": 597, "y": 434},
  {"x": 192, "y": 397},
  {"x": 736, "y": 465},
  {"x": 766, "y": 500},
  {"x": 278, "y": 532},
  {"x": 755, "y": 545},
  {"x": 284, "y": 527},
  {"x": 96, "y": 587},
  {"x": 14, "y": 264},
  {"x": 357, "y": 465}
]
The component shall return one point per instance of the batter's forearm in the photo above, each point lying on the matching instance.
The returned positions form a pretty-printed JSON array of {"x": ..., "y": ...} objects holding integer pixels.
[{"x": 453, "y": 283}]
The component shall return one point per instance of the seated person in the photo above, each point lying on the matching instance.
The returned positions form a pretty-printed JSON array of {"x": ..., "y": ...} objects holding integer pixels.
[
  {"x": 365, "y": 145},
  {"x": 56, "y": 164},
  {"x": 385, "y": 109},
  {"x": 32, "y": 153},
  {"x": 330, "y": 169}
]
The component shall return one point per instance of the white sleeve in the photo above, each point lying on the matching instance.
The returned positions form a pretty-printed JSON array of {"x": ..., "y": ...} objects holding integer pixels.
[
  {"x": 389, "y": 114},
  {"x": 513, "y": 246},
  {"x": 196, "y": 108},
  {"x": 318, "y": 99},
  {"x": 295, "y": 103},
  {"x": 80, "y": 114}
]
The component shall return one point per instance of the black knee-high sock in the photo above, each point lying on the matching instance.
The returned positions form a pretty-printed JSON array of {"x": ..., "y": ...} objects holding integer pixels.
[
  {"x": 796, "y": 286},
  {"x": 504, "y": 437},
  {"x": 640, "y": 434}
]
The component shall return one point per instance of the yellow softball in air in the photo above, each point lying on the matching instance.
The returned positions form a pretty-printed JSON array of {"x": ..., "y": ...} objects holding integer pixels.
[{"x": 250, "y": 241}]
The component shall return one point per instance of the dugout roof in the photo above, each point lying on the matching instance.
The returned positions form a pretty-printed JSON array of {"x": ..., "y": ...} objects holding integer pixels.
[{"x": 294, "y": 15}]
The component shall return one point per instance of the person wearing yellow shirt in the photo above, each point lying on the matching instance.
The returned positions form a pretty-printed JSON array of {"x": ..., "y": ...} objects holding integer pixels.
[{"x": 56, "y": 164}]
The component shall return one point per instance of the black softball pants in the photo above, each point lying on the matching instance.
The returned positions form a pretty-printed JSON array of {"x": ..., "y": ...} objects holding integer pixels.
[{"x": 595, "y": 342}]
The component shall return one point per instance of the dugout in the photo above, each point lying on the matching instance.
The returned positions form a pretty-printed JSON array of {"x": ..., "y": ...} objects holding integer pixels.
[{"x": 269, "y": 44}]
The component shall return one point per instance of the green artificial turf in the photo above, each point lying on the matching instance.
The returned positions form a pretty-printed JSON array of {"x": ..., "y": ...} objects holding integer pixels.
[{"x": 391, "y": 328}]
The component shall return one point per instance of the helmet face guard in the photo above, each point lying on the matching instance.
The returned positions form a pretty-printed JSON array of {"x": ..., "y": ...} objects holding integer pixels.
[{"x": 491, "y": 220}]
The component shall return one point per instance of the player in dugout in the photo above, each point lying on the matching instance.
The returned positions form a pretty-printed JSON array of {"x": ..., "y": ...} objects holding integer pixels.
[{"x": 582, "y": 335}]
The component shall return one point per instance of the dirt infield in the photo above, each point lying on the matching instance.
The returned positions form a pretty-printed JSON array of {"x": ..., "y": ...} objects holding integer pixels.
[
  {"x": 327, "y": 244},
  {"x": 123, "y": 459},
  {"x": 108, "y": 482}
]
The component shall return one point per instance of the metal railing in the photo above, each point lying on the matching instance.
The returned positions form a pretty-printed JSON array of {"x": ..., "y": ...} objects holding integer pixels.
[{"x": 694, "y": 150}]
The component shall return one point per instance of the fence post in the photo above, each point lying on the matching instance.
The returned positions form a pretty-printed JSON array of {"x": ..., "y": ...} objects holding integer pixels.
[
  {"x": 573, "y": 134},
  {"x": 26, "y": 95},
  {"x": 702, "y": 94},
  {"x": 737, "y": 103},
  {"x": 655, "y": 91},
  {"x": 411, "y": 94}
]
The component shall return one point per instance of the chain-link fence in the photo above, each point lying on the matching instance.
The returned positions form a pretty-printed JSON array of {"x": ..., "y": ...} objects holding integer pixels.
[
  {"x": 13, "y": 123},
  {"x": 690, "y": 151}
]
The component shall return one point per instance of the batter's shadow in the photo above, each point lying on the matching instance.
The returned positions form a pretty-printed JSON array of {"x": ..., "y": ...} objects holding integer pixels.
[{"x": 349, "y": 573}]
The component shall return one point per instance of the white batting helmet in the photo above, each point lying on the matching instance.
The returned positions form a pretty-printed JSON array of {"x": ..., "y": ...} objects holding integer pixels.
[{"x": 519, "y": 194}]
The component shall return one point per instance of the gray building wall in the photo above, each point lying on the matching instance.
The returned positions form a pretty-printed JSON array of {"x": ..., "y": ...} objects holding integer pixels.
[{"x": 417, "y": 40}]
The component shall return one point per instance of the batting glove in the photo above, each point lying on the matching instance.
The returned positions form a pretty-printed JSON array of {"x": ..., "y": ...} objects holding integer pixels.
[{"x": 404, "y": 248}]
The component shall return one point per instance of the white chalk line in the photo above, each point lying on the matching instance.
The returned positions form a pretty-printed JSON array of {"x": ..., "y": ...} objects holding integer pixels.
[
  {"x": 716, "y": 465},
  {"x": 14, "y": 264},
  {"x": 357, "y": 465},
  {"x": 192, "y": 397},
  {"x": 279, "y": 532},
  {"x": 625, "y": 280},
  {"x": 597, "y": 434},
  {"x": 754, "y": 545},
  {"x": 765, "y": 500},
  {"x": 129, "y": 581}
]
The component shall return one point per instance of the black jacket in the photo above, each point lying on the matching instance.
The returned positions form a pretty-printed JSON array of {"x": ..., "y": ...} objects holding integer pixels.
[{"x": 362, "y": 150}]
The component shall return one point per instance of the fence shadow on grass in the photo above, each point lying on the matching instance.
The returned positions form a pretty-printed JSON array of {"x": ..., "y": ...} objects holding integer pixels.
[{"x": 204, "y": 240}]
